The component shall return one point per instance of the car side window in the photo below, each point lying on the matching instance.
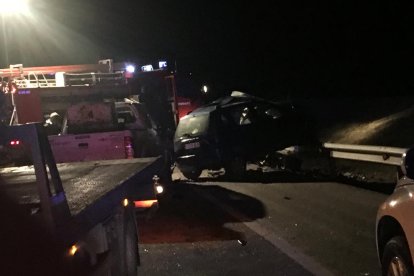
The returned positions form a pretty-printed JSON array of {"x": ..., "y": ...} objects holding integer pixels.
[
  {"x": 272, "y": 113},
  {"x": 242, "y": 115},
  {"x": 246, "y": 117},
  {"x": 225, "y": 122}
]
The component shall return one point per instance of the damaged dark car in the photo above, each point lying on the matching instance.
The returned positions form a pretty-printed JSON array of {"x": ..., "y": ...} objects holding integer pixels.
[{"x": 233, "y": 130}]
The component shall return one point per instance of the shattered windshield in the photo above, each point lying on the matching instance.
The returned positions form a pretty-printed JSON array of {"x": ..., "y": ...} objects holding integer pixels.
[{"x": 192, "y": 126}]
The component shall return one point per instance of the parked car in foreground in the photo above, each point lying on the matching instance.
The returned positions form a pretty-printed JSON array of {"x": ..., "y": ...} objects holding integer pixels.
[
  {"x": 395, "y": 224},
  {"x": 233, "y": 130}
]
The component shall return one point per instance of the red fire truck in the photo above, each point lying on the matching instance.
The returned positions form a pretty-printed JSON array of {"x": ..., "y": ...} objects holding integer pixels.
[
  {"x": 36, "y": 91},
  {"x": 30, "y": 93}
]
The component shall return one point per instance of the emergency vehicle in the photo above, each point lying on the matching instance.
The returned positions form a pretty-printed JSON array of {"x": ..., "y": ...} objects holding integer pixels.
[{"x": 36, "y": 91}]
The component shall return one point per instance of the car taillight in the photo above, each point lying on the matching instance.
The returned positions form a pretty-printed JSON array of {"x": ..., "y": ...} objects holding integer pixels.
[
  {"x": 129, "y": 151},
  {"x": 14, "y": 142}
]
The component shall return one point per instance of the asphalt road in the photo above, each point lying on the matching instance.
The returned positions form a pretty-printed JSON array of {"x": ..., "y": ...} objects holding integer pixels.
[{"x": 273, "y": 224}]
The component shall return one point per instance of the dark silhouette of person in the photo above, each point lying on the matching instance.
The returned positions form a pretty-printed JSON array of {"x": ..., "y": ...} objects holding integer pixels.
[{"x": 54, "y": 124}]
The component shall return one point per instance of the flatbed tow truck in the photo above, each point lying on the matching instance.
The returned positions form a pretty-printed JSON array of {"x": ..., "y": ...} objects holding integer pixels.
[
  {"x": 86, "y": 206},
  {"x": 89, "y": 207}
]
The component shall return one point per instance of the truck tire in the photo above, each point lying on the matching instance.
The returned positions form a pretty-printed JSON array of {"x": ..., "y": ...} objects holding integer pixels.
[
  {"x": 396, "y": 259},
  {"x": 131, "y": 255},
  {"x": 123, "y": 243}
]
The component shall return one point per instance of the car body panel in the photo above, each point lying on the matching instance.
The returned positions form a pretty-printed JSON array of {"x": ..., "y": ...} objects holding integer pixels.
[{"x": 400, "y": 207}]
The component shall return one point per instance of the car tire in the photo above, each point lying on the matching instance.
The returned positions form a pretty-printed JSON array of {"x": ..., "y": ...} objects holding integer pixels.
[
  {"x": 236, "y": 168},
  {"x": 191, "y": 173},
  {"x": 291, "y": 164},
  {"x": 396, "y": 259}
]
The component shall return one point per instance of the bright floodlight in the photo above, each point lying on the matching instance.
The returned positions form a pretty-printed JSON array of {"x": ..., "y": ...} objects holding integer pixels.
[
  {"x": 14, "y": 7},
  {"x": 205, "y": 88},
  {"x": 130, "y": 68}
]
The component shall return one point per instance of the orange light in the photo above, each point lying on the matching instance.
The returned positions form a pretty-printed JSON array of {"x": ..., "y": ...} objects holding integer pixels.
[
  {"x": 145, "y": 203},
  {"x": 73, "y": 250}
]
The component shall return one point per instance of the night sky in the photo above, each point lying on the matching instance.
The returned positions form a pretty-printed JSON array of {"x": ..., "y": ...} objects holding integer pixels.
[{"x": 285, "y": 50}]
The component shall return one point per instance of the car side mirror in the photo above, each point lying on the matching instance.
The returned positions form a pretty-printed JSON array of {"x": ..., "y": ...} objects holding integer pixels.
[{"x": 407, "y": 166}]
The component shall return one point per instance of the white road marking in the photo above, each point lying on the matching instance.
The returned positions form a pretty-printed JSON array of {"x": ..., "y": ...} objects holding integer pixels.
[{"x": 263, "y": 230}]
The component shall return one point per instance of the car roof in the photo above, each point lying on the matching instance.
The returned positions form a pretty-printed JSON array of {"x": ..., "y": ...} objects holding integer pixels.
[
  {"x": 236, "y": 98},
  {"x": 200, "y": 111}
]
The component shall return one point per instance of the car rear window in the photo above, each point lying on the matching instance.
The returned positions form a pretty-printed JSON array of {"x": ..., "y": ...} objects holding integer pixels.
[
  {"x": 125, "y": 115},
  {"x": 192, "y": 126},
  {"x": 90, "y": 117}
]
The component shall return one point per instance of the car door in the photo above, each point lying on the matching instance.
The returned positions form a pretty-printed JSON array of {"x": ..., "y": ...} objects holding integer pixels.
[{"x": 240, "y": 130}]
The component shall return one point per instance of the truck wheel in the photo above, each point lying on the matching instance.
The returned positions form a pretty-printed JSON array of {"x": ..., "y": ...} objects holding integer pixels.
[
  {"x": 124, "y": 244},
  {"x": 131, "y": 246},
  {"x": 236, "y": 168},
  {"x": 191, "y": 173},
  {"x": 396, "y": 259}
]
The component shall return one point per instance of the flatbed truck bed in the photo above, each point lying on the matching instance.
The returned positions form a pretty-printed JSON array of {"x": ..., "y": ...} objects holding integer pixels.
[
  {"x": 85, "y": 182},
  {"x": 86, "y": 206}
]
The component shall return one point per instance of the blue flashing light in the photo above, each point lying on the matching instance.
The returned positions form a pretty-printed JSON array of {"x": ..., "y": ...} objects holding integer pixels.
[
  {"x": 147, "y": 68},
  {"x": 162, "y": 64}
]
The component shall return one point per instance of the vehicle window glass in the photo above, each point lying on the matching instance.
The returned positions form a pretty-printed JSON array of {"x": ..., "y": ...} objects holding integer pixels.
[
  {"x": 267, "y": 112},
  {"x": 125, "y": 115},
  {"x": 143, "y": 115},
  {"x": 246, "y": 117},
  {"x": 192, "y": 126},
  {"x": 235, "y": 113},
  {"x": 242, "y": 115},
  {"x": 272, "y": 113},
  {"x": 90, "y": 117},
  {"x": 224, "y": 120}
]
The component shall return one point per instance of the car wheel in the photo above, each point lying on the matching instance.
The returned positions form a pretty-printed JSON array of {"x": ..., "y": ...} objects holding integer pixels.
[
  {"x": 281, "y": 164},
  {"x": 236, "y": 168},
  {"x": 396, "y": 259},
  {"x": 191, "y": 173}
]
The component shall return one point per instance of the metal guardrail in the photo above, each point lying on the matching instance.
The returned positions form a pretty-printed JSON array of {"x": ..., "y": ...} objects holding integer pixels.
[{"x": 376, "y": 154}]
